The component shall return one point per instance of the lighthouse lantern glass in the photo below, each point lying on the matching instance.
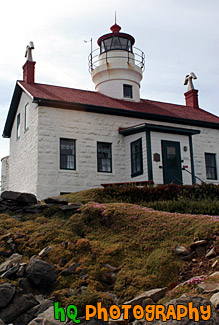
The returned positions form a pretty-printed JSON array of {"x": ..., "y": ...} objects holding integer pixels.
[{"x": 115, "y": 43}]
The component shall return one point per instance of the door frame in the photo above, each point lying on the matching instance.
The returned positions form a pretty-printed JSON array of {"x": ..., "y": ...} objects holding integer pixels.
[{"x": 178, "y": 153}]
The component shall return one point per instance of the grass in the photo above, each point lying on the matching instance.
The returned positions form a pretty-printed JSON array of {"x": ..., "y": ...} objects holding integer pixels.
[{"x": 137, "y": 240}]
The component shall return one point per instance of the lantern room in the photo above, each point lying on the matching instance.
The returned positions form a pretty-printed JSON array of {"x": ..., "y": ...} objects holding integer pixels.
[{"x": 117, "y": 66}]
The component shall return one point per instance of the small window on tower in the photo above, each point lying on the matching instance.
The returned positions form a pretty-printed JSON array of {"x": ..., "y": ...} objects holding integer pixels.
[{"x": 127, "y": 91}]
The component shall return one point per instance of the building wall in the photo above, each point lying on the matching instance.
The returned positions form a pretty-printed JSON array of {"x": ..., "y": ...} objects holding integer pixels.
[
  {"x": 88, "y": 128},
  {"x": 23, "y": 150},
  {"x": 5, "y": 174},
  {"x": 207, "y": 141},
  {"x": 156, "y": 147}
]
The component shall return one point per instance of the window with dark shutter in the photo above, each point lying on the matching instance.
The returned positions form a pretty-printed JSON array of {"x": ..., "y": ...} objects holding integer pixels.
[
  {"x": 136, "y": 158},
  {"x": 67, "y": 154}
]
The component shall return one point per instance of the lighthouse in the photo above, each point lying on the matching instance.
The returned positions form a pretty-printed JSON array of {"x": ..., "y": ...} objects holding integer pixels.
[{"x": 117, "y": 66}]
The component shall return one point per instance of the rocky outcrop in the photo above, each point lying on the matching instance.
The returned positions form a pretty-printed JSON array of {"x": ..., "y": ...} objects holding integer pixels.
[{"x": 41, "y": 275}]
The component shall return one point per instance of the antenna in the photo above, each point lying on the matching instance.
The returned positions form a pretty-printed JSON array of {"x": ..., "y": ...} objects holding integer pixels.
[{"x": 115, "y": 16}]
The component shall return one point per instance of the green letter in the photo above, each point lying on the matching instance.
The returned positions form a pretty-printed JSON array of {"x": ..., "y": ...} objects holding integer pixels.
[
  {"x": 59, "y": 310},
  {"x": 73, "y": 315}
]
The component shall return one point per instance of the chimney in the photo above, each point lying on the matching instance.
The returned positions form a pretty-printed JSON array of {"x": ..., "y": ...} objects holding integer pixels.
[
  {"x": 191, "y": 98},
  {"x": 29, "y": 71},
  {"x": 29, "y": 66}
]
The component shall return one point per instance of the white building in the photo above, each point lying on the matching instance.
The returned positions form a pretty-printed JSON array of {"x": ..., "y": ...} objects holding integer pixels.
[{"x": 65, "y": 140}]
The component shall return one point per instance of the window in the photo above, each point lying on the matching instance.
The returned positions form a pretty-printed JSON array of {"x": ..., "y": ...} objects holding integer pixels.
[
  {"x": 127, "y": 91},
  {"x": 18, "y": 125},
  {"x": 210, "y": 163},
  {"x": 104, "y": 157},
  {"x": 67, "y": 154},
  {"x": 26, "y": 117},
  {"x": 136, "y": 158}
]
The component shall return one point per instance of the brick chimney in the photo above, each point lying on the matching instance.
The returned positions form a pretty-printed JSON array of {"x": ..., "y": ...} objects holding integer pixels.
[
  {"x": 29, "y": 71},
  {"x": 191, "y": 98}
]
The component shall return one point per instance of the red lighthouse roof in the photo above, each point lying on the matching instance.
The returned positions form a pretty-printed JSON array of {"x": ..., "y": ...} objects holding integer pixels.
[{"x": 116, "y": 32}]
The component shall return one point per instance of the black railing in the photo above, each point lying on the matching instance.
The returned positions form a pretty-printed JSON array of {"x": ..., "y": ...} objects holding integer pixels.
[
  {"x": 193, "y": 175},
  {"x": 136, "y": 57}
]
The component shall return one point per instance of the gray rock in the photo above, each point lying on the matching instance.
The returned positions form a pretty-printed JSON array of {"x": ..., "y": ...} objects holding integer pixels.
[
  {"x": 7, "y": 292},
  {"x": 211, "y": 253},
  {"x": 188, "y": 257},
  {"x": 197, "y": 302},
  {"x": 199, "y": 243},
  {"x": 108, "y": 278},
  {"x": 56, "y": 200},
  {"x": 25, "y": 285},
  {"x": 17, "y": 306},
  {"x": 200, "y": 251},
  {"x": 41, "y": 275},
  {"x": 110, "y": 267},
  {"x": 70, "y": 270},
  {"x": 20, "y": 272},
  {"x": 71, "y": 207},
  {"x": 181, "y": 250},
  {"x": 215, "y": 300},
  {"x": 11, "y": 261},
  {"x": 44, "y": 252},
  {"x": 147, "y": 301},
  {"x": 46, "y": 318},
  {"x": 209, "y": 287},
  {"x": 11, "y": 271},
  {"x": 19, "y": 197},
  {"x": 33, "y": 312},
  {"x": 154, "y": 294}
]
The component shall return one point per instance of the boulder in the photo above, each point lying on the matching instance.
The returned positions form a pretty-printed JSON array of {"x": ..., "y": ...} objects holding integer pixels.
[
  {"x": 197, "y": 302},
  {"x": 25, "y": 285},
  {"x": 11, "y": 261},
  {"x": 215, "y": 300},
  {"x": 154, "y": 294},
  {"x": 41, "y": 275},
  {"x": 56, "y": 200},
  {"x": 19, "y": 197},
  {"x": 17, "y": 306},
  {"x": 7, "y": 292}
]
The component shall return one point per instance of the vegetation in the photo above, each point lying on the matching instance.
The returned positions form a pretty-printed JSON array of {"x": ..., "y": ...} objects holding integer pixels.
[{"x": 135, "y": 239}]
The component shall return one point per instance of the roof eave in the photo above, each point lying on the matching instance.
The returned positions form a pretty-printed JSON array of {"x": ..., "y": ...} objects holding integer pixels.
[
  {"x": 123, "y": 112},
  {"x": 12, "y": 111}
]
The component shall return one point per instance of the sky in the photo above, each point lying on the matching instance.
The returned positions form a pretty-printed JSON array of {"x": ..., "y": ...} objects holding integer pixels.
[{"x": 177, "y": 37}]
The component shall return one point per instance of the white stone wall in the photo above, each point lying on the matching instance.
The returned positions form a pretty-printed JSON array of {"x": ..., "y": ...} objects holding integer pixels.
[
  {"x": 207, "y": 141},
  {"x": 88, "y": 128},
  {"x": 5, "y": 174},
  {"x": 23, "y": 151},
  {"x": 35, "y": 156}
]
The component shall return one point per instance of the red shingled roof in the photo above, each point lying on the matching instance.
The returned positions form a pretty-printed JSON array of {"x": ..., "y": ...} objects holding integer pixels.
[{"x": 71, "y": 95}]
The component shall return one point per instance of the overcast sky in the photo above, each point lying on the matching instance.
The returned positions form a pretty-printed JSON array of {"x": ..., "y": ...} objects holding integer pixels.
[{"x": 177, "y": 36}]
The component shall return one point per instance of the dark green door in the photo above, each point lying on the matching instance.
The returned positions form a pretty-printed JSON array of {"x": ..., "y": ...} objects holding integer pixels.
[{"x": 172, "y": 170}]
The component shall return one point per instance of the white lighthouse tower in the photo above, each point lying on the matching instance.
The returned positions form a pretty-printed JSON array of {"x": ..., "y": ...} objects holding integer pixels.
[{"x": 117, "y": 68}]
